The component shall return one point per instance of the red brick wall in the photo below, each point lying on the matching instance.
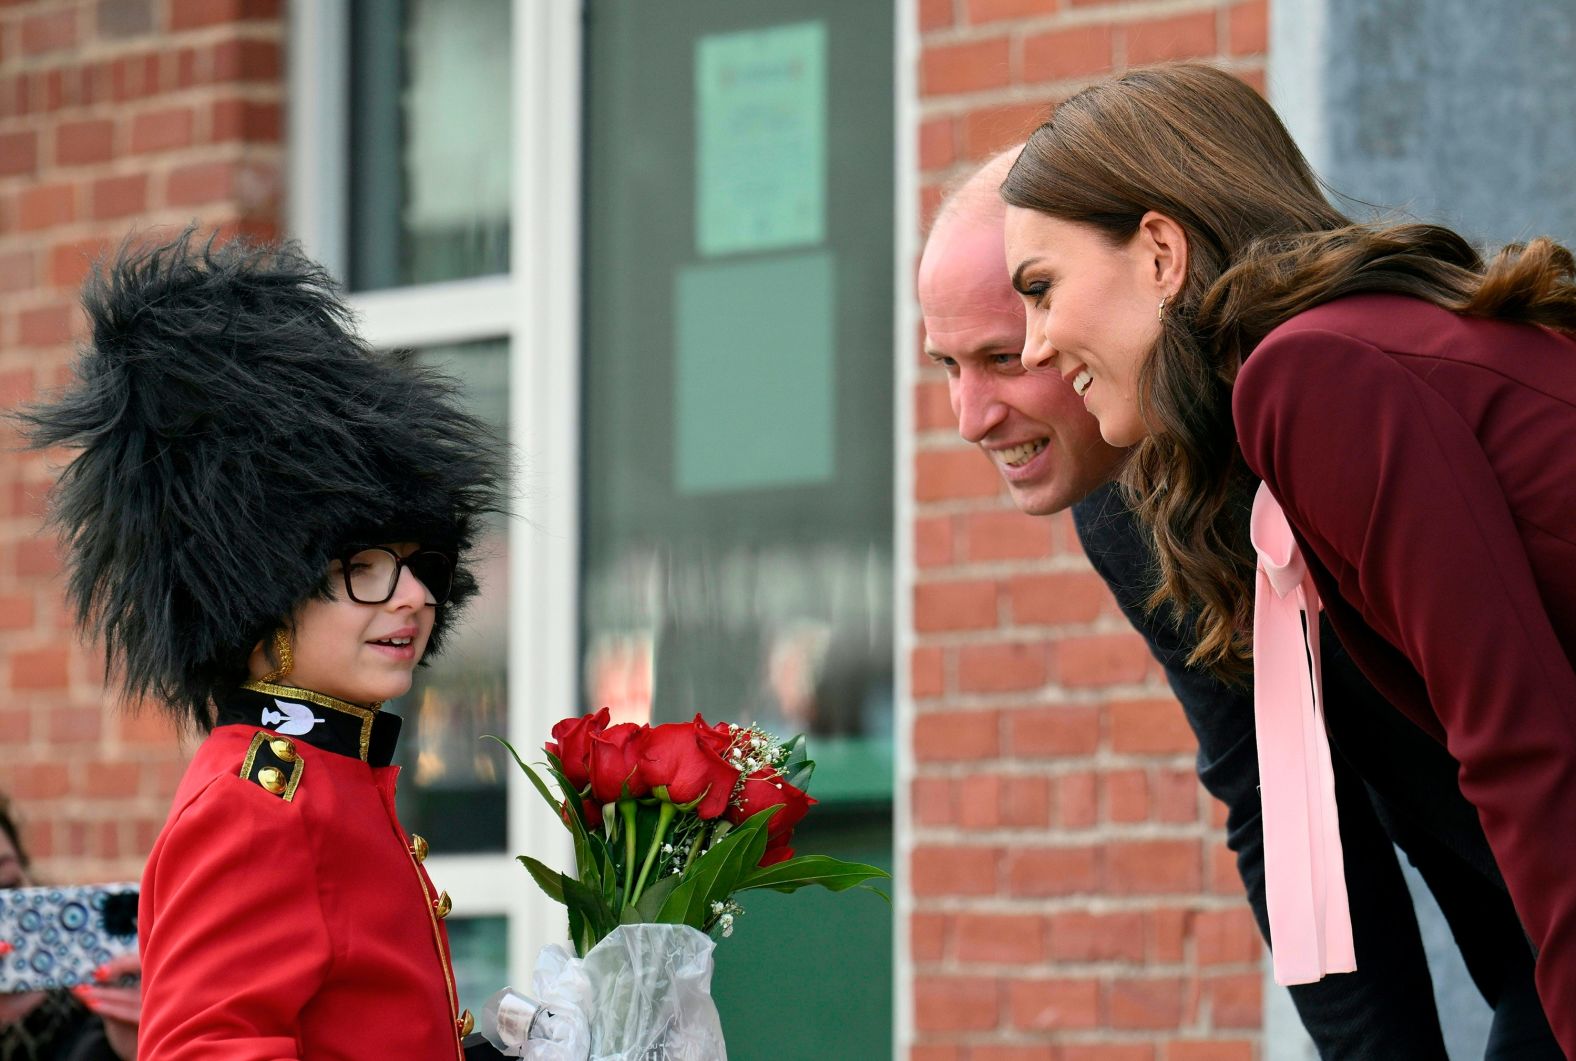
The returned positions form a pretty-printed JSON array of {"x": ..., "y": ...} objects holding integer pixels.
[
  {"x": 114, "y": 115},
  {"x": 1073, "y": 898}
]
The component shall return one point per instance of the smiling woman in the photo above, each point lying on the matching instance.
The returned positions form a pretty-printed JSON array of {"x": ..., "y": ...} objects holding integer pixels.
[
  {"x": 1394, "y": 410},
  {"x": 268, "y": 525},
  {"x": 1095, "y": 306}
]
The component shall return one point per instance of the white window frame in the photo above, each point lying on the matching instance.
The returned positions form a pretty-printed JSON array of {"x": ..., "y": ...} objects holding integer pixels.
[
  {"x": 906, "y": 249},
  {"x": 536, "y": 308}
]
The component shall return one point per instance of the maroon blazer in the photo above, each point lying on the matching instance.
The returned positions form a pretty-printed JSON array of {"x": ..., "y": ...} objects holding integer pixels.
[{"x": 1427, "y": 464}]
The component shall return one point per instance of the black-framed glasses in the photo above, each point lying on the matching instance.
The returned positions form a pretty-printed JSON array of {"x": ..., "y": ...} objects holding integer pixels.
[{"x": 372, "y": 574}]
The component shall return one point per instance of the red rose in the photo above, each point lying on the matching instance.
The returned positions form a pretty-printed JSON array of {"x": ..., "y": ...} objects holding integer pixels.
[
  {"x": 614, "y": 756},
  {"x": 571, "y": 745},
  {"x": 766, "y": 788},
  {"x": 718, "y": 737},
  {"x": 685, "y": 758}
]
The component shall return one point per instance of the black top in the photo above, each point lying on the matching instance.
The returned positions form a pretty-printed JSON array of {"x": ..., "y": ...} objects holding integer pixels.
[
  {"x": 1393, "y": 782},
  {"x": 59, "y": 1029}
]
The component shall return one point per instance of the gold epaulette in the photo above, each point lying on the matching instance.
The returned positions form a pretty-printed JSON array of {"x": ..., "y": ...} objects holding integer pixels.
[{"x": 274, "y": 764}]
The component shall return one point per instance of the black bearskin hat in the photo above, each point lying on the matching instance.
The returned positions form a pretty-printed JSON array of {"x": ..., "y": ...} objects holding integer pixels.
[{"x": 235, "y": 435}]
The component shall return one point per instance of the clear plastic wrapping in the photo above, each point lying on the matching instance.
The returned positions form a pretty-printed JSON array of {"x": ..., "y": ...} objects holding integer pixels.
[{"x": 642, "y": 994}]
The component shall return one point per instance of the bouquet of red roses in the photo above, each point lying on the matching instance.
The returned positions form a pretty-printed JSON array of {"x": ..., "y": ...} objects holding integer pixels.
[{"x": 669, "y": 823}]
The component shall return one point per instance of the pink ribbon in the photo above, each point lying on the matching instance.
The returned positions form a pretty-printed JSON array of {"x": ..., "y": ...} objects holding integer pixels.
[{"x": 1304, "y": 877}]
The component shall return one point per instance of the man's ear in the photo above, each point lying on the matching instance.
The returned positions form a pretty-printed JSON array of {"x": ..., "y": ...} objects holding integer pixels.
[{"x": 1164, "y": 246}]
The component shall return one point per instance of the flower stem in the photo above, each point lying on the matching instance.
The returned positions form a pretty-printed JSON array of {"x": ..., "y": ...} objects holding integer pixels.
[
  {"x": 626, "y": 810},
  {"x": 700, "y": 838},
  {"x": 665, "y": 813}
]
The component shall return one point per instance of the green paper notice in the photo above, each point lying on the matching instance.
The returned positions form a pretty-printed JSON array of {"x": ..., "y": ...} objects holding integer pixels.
[{"x": 760, "y": 98}]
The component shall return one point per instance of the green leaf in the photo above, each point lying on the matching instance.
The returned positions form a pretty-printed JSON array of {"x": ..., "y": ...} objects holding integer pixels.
[
  {"x": 650, "y": 904},
  {"x": 593, "y": 864},
  {"x": 595, "y": 915},
  {"x": 799, "y": 775},
  {"x": 830, "y": 873},
  {"x": 713, "y": 876},
  {"x": 796, "y": 749},
  {"x": 545, "y": 876},
  {"x": 577, "y": 931},
  {"x": 797, "y": 766},
  {"x": 541, "y": 786}
]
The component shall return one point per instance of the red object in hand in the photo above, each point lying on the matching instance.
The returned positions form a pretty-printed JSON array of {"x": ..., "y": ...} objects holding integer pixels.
[{"x": 686, "y": 758}]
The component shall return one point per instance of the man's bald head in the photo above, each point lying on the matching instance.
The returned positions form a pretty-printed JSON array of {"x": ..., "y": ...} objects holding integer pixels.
[
  {"x": 963, "y": 271},
  {"x": 1031, "y": 424},
  {"x": 977, "y": 200}
]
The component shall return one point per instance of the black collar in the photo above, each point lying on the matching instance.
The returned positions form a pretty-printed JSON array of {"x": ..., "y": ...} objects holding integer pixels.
[{"x": 321, "y": 721}]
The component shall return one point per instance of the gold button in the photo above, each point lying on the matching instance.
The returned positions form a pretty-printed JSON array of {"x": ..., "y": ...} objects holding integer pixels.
[
  {"x": 418, "y": 847},
  {"x": 442, "y": 905},
  {"x": 272, "y": 778},
  {"x": 283, "y": 749},
  {"x": 466, "y": 1023}
]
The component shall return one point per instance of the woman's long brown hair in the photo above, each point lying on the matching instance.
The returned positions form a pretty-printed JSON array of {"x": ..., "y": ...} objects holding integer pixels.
[{"x": 1201, "y": 147}]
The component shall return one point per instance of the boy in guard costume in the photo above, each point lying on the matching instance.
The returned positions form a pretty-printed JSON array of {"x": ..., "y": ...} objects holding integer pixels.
[{"x": 266, "y": 527}]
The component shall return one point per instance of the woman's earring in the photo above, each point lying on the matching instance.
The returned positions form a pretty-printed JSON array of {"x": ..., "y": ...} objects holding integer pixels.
[
  {"x": 283, "y": 655},
  {"x": 1160, "y": 314}
]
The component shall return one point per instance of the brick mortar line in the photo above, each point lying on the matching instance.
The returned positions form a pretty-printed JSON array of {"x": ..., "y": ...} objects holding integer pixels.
[
  {"x": 198, "y": 99},
  {"x": 48, "y": 121},
  {"x": 111, "y": 231},
  {"x": 1098, "y": 905},
  {"x": 1019, "y": 632},
  {"x": 1114, "y": 14},
  {"x": 1042, "y": 767},
  {"x": 1058, "y": 838},
  {"x": 1037, "y": 697},
  {"x": 1068, "y": 968},
  {"x": 1083, "y": 697},
  {"x": 966, "y": 570},
  {"x": 1050, "y": 563},
  {"x": 1009, "y": 632},
  {"x": 987, "y": 702},
  {"x": 1101, "y": 1036},
  {"x": 95, "y": 48},
  {"x": 958, "y": 104},
  {"x": 163, "y": 160}
]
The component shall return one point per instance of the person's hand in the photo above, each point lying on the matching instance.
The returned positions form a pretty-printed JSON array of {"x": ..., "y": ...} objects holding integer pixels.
[
  {"x": 119, "y": 1007},
  {"x": 14, "y": 1007}
]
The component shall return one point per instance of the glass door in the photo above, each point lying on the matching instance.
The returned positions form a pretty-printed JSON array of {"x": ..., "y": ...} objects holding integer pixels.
[{"x": 737, "y": 471}]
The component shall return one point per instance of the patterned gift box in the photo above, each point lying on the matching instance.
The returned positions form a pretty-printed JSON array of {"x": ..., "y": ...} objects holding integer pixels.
[{"x": 58, "y": 936}]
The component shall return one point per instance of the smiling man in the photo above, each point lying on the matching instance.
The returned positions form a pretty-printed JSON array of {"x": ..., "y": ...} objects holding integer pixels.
[
  {"x": 1031, "y": 425},
  {"x": 1049, "y": 451}
]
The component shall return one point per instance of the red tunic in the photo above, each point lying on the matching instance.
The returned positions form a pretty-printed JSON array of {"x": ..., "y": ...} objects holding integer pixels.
[
  {"x": 1424, "y": 462},
  {"x": 284, "y": 913}
]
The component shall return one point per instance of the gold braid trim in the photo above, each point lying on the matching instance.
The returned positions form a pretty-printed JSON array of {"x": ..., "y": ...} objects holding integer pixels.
[{"x": 285, "y": 692}]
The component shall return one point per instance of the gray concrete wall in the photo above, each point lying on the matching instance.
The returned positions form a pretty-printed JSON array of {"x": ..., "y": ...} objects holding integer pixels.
[
  {"x": 1456, "y": 111},
  {"x": 1459, "y": 111}
]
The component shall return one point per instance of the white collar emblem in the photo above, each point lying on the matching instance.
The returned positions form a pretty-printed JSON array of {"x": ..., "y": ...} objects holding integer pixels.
[{"x": 292, "y": 720}]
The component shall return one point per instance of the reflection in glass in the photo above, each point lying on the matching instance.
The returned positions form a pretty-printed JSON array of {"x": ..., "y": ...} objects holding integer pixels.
[
  {"x": 480, "y": 949},
  {"x": 451, "y": 790},
  {"x": 795, "y": 636},
  {"x": 430, "y": 128},
  {"x": 738, "y": 377}
]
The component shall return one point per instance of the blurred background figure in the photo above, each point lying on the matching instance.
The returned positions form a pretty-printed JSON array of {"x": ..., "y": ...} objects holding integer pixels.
[{"x": 88, "y": 1023}]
